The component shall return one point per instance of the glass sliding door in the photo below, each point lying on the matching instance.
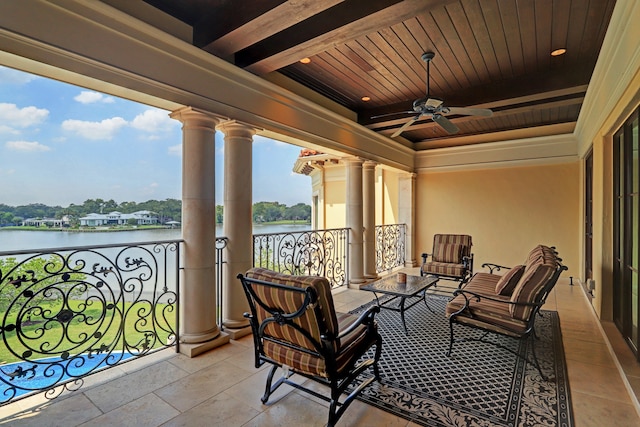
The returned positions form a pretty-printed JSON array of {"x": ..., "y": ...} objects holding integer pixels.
[
  {"x": 627, "y": 231},
  {"x": 588, "y": 218}
]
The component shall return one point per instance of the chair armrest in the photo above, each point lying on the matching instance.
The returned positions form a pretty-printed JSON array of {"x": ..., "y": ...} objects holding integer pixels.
[
  {"x": 471, "y": 296},
  {"x": 495, "y": 267},
  {"x": 425, "y": 256},
  {"x": 467, "y": 261},
  {"x": 366, "y": 318}
]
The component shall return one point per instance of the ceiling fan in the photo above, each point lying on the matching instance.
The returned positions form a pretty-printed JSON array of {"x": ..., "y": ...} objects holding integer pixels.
[{"x": 435, "y": 108}]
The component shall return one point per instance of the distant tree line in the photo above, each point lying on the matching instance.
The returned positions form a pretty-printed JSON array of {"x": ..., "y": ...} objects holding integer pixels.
[
  {"x": 273, "y": 212},
  {"x": 166, "y": 210}
]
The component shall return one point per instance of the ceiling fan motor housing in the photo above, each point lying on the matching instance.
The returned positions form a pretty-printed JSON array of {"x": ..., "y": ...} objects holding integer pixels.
[{"x": 428, "y": 56}]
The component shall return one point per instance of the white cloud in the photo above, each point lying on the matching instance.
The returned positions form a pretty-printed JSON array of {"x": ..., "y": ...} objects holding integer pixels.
[
  {"x": 12, "y": 116},
  {"x": 154, "y": 121},
  {"x": 11, "y": 76},
  {"x": 89, "y": 97},
  {"x": 26, "y": 146},
  {"x": 105, "y": 129},
  {"x": 8, "y": 129},
  {"x": 175, "y": 150}
]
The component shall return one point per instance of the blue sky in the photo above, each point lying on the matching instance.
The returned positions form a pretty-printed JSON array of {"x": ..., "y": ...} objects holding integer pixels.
[{"x": 63, "y": 144}]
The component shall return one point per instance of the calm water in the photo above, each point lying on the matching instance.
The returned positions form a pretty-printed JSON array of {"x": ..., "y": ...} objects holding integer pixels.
[{"x": 13, "y": 240}]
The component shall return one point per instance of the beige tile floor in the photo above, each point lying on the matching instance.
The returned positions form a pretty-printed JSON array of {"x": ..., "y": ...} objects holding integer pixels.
[{"x": 222, "y": 388}]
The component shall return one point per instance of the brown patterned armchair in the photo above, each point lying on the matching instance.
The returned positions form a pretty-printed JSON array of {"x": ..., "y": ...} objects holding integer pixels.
[
  {"x": 296, "y": 328},
  {"x": 451, "y": 257}
]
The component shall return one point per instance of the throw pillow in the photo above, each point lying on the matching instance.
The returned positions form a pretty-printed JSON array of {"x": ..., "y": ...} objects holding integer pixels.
[
  {"x": 508, "y": 282},
  {"x": 449, "y": 253}
]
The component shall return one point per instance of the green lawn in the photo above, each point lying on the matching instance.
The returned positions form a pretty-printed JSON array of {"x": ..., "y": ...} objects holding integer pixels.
[{"x": 96, "y": 324}]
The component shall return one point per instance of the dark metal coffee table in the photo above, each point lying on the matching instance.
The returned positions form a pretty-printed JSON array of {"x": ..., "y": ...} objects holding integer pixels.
[{"x": 414, "y": 288}]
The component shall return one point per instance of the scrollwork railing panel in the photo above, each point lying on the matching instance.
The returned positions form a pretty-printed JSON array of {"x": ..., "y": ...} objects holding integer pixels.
[
  {"x": 315, "y": 253},
  {"x": 390, "y": 246},
  {"x": 67, "y": 313}
]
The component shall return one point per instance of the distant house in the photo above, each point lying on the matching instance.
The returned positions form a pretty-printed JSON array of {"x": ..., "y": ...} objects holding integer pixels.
[
  {"x": 118, "y": 218},
  {"x": 65, "y": 221}
]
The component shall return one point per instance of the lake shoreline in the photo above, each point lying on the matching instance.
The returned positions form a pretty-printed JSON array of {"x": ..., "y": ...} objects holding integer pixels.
[
  {"x": 146, "y": 227},
  {"x": 19, "y": 238}
]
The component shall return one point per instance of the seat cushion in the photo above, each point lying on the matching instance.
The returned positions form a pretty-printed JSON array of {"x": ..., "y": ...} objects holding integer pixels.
[
  {"x": 350, "y": 349},
  {"x": 487, "y": 314},
  {"x": 509, "y": 280},
  {"x": 443, "y": 269}
]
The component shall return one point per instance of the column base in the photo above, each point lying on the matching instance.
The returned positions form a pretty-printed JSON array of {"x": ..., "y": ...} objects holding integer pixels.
[
  {"x": 194, "y": 349},
  {"x": 238, "y": 333},
  {"x": 358, "y": 285}
]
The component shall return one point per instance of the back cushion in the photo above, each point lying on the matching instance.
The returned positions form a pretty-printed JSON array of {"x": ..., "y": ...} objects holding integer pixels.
[
  {"x": 529, "y": 286},
  {"x": 463, "y": 239},
  {"x": 448, "y": 252},
  {"x": 290, "y": 302},
  {"x": 509, "y": 280}
]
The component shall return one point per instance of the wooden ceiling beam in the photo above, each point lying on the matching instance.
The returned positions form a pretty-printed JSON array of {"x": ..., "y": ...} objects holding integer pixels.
[
  {"x": 227, "y": 32},
  {"x": 337, "y": 25},
  {"x": 228, "y": 17}
]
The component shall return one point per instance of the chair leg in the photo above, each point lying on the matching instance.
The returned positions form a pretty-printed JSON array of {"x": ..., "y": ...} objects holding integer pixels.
[
  {"x": 333, "y": 405},
  {"x": 376, "y": 358},
  {"x": 450, "y": 338},
  {"x": 268, "y": 388},
  {"x": 535, "y": 358}
]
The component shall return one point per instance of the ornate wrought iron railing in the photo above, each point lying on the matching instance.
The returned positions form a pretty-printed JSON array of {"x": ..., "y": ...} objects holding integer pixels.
[
  {"x": 390, "y": 246},
  {"x": 221, "y": 244},
  {"x": 70, "y": 312},
  {"x": 316, "y": 253}
]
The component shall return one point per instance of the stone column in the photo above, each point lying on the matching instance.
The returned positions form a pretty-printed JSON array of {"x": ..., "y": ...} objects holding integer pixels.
[
  {"x": 407, "y": 215},
  {"x": 369, "y": 219},
  {"x": 237, "y": 223},
  {"x": 198, "y": 329},
  {"x": 354, "y": 221}
]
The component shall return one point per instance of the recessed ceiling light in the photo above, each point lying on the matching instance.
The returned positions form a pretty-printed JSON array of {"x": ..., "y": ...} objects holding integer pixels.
[
  {"x": 366, "y": 98},
  {"x": 559, "y": 52},
  {"x": 305, "y": 60}
]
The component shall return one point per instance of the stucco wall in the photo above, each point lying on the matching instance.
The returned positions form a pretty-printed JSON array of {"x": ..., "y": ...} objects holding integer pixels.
[
  {"x": 335, "y": 208},
  {"x": 390, "y": 199},
  {"x": 507, "y": 211}
]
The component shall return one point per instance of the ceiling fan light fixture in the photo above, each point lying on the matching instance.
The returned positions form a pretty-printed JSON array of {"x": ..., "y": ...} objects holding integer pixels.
[
  {"x": 305, "y": 60},
  {"x": 559, "y": 52}
]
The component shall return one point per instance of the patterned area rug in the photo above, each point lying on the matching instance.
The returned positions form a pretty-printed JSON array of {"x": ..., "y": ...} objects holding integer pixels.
[{"x": 479, "y": 385}]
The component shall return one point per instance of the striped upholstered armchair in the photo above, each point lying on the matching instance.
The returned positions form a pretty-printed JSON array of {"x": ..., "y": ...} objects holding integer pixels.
[
  {"x": 451, "y": 257},
  {"x": 295, "y": 328}
]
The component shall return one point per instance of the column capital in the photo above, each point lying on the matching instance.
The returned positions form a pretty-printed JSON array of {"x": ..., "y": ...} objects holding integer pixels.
[
  {"x": 196, "y": 118},
  {"x": 236, "y": 129},
  {"x": 353, "y": 160},
  {"x": 369, "y": 164}
]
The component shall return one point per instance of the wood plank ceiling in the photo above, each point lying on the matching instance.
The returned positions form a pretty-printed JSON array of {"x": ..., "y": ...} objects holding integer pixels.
[{"x": 488, "y": 53}]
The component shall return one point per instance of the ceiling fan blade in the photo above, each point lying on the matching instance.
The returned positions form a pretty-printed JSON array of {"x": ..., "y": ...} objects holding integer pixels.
[
  {"x": 392, "y": 114},
  {"x": 445, "y": 123},
  {"x": 470, "y": 111},
  {"x": 405, "y": 126}
]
